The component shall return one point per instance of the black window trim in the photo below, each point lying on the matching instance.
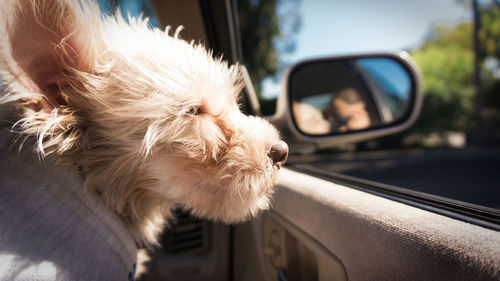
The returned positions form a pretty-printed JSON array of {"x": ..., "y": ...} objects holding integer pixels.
[{"x": 467, "y": 212}]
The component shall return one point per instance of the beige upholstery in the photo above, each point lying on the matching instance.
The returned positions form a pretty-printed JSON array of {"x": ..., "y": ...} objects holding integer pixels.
[{"x": 380, "y": 239}]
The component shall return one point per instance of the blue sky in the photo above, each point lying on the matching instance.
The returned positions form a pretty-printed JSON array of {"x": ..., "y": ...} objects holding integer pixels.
[{"x": 337, "y": 27}]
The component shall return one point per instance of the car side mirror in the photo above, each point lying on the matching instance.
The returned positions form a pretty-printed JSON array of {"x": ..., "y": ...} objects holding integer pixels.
[{"x": 350, "y": 98}]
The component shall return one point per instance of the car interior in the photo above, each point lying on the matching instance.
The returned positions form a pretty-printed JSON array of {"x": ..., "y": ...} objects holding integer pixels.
[{"x": 322, "y": 226}]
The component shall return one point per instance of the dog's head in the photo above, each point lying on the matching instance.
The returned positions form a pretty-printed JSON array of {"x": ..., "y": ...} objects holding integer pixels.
[{"x": 148, "y": 119}]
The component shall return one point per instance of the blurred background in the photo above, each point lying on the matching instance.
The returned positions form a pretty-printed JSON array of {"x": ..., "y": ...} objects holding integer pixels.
[{"x": 453, "y": 149}]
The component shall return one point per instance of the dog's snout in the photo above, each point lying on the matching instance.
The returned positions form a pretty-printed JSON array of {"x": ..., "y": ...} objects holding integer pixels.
[{"x": 279, "y": 153}]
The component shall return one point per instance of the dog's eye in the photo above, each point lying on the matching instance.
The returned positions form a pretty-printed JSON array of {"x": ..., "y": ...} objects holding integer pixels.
[{"x": 195, "y": 110}]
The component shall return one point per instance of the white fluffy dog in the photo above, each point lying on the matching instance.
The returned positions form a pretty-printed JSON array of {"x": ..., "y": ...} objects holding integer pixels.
[{"x": 150, "y": 122}]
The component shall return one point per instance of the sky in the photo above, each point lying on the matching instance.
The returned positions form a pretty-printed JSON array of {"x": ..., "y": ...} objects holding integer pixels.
[{"x": 336, "y": 27}]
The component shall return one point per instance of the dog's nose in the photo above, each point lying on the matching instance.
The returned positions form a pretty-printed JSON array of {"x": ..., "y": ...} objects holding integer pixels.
[{"x": 279, "y": 153}]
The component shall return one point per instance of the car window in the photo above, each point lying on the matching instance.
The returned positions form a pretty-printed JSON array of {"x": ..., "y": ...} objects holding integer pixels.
[{"x": 453, "y": 149}]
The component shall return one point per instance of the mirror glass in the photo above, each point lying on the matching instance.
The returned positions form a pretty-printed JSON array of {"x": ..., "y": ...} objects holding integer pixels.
[{"x": 343, "y": 95}]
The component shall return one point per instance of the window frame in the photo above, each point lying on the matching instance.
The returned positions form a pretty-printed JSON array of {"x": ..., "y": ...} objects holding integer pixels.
[{"x": 463, "y": 211}]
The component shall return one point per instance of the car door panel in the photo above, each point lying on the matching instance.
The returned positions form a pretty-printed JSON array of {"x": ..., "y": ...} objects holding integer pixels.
[
  {"x": 295, "y": 254},
  {"x": 374, "y": 238}
]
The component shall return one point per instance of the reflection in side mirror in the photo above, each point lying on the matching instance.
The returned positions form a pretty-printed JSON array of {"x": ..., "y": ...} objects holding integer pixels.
[{"x": 350, "y": 94}]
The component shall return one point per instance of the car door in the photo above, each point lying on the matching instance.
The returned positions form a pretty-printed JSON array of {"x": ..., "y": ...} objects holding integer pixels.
[{"x": 323, "y": 229}]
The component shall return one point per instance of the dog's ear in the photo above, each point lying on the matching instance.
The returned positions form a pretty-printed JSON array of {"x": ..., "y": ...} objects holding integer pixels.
[{"x": 42, "y": 42}]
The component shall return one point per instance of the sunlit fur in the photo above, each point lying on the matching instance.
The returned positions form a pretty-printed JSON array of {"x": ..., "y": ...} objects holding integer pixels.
[{"x": 150, "y": 121}]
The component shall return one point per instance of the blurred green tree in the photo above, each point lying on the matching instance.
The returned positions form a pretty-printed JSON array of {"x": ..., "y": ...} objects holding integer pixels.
[
  {"x": 489, "y": 32},
  {"x": 446, "y": 61},
  {"x": 259, "y": 26},
  {"x": 267, "y": 30},
  {"x": 489, "y": 36}
]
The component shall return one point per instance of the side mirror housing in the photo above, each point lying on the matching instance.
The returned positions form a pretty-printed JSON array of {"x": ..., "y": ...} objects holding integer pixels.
[{"x": 334, "y": 100}]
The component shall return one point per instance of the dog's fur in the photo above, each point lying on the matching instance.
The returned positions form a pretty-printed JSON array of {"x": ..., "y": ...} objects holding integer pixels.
[{"x": 151, "y": 122}]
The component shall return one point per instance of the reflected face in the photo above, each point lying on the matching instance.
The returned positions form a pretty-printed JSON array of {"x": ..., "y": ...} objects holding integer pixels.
[{"x": 355, "y": 113}]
